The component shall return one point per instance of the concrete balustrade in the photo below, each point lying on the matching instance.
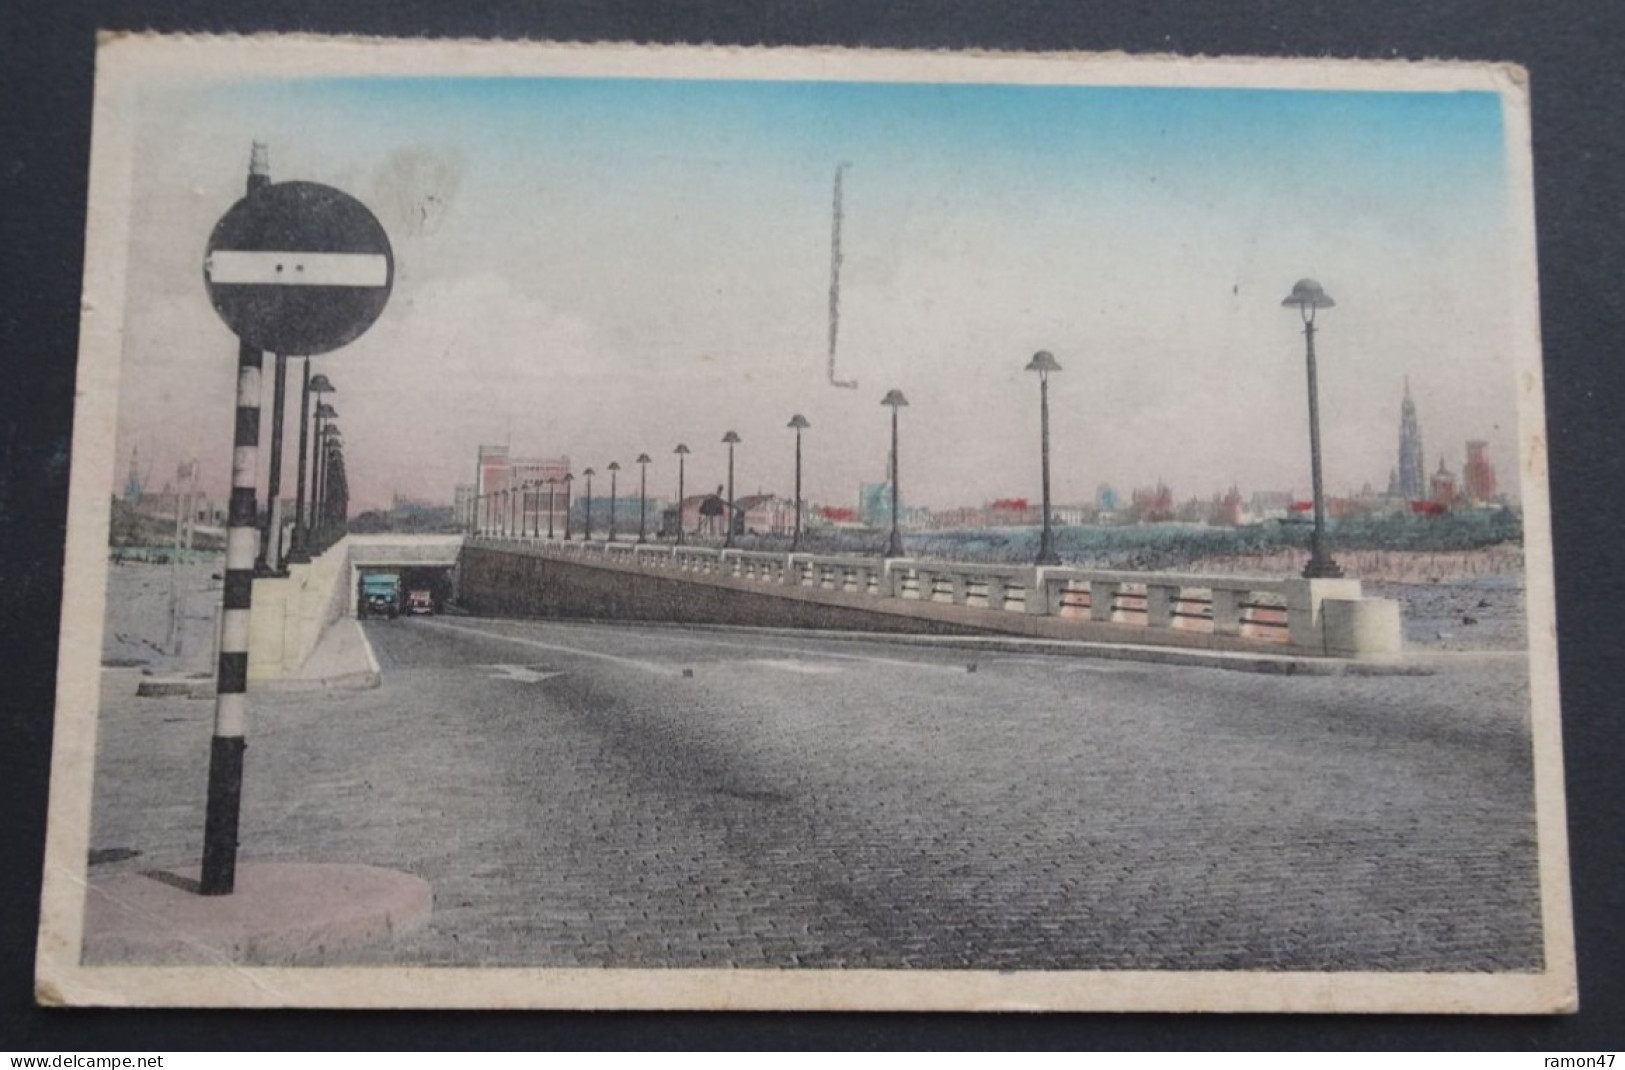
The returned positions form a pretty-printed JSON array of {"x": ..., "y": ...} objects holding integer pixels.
[{"x": 1328, "y": 617}]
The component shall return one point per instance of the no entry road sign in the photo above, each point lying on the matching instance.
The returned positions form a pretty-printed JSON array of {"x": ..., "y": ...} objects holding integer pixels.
[{"x": 299, "y": 268}]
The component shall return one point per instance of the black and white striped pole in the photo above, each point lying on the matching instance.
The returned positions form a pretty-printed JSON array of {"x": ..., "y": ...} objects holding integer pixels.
[
  {"x": 225, "y": 791},
  {"x": 299, "y": 268}
]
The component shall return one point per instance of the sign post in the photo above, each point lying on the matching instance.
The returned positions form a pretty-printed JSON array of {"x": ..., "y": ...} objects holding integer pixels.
[{"x": 294, "y": 268}]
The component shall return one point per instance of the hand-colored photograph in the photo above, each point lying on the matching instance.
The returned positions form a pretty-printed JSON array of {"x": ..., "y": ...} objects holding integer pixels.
[{"x": 601, "y": 526}]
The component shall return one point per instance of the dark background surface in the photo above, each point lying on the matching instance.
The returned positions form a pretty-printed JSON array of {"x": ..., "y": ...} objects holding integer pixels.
[{"x": 1573, "y": 51}]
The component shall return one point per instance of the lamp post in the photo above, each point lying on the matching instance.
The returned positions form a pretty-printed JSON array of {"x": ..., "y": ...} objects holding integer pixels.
[
  {"x": 568, "y": 479},
  {"x": 329, "y": 438},
  {"x": 271, "y": 550},
  {"x": 1043, "y": 363},
  {"x": 586, "y": 532},
  {"x": 1307, "y": 297},
  {"x": 732, "y": 440},
  {"x": 682, "y": 455},
  {"x": 643, "y": 495},
  {"x": 318, "y": 385},
  {"x": 551, "y": 485},
  {"x": 894, "y": 544},
  {"x": 330, "y": 449},
  {"x": 324, "y": 414},
  {"x": 799, "y": 424},
  {"x": 614, "y": 467}
]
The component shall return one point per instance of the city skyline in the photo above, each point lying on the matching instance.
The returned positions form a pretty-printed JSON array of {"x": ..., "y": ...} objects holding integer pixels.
[{"x": 602, "y": 267}]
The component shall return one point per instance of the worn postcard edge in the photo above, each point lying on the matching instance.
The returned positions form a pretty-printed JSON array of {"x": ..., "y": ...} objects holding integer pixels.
[{"x": 124, "y": 60}]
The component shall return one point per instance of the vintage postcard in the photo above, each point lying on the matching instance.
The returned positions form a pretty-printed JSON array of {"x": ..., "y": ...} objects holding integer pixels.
[{"x": 625, "y": 527}]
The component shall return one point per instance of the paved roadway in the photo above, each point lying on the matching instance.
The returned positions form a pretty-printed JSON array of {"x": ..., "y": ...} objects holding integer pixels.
[{"x": 644, "y": 796}]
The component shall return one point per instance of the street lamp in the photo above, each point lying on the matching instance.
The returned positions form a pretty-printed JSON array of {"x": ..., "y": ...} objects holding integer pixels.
[
  {"x": 682, "y": 454},
  {"x": 329, "y": 437},
  {"x": 318, "y": 385},
  {"x": 1043, "y": 363},
  {"x": 1306, "y": 297},
  {"x": 799, "y": 423},
  {"x": 324, "y": 414},
  {"x": 552, "y": 489},
  {"x": 586, "y": 534},
  {"x": 568, "y": 479},
  {"x": 732, "y": 440},
  {"x": 614, "y": 466},
  {"x": 894, "y": 544},
  {"x": 643, "y": 494},
  {"x": 328, "y": 448}
]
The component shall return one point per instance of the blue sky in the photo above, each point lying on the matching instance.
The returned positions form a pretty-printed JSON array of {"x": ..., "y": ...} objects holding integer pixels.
[{"x": 609, "y": 266}]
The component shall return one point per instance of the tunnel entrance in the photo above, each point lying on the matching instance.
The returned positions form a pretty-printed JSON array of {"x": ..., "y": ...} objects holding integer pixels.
[{"x": 403, "y": 590}]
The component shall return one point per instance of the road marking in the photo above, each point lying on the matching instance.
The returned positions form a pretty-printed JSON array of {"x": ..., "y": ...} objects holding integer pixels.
[
  {"x": 788, "y": 665},
  {"x": 806, "y": 652},
  {"x": 646, "y": 666},
  {"x": 520, "y": 674}
]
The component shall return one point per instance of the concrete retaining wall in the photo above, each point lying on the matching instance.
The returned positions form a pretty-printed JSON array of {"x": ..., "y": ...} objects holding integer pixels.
[
  {"x": 291, "y": 612},
  {"x": 515, "y": 584},
  {"x": 533, "y": 579}
]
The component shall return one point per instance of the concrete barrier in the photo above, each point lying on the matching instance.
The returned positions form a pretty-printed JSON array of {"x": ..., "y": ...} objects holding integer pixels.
[{"x": 1362, "y": 627}]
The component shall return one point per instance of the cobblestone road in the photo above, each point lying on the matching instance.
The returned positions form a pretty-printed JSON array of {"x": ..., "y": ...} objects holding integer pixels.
[{"x": 808, "y": 802}]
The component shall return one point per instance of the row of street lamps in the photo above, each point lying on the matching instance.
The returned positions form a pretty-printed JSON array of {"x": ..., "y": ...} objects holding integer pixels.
[
  {"x": 319, "y": 501},
  {"x": 1307, "y": 296},
  {"x": 505, "y": 501}
]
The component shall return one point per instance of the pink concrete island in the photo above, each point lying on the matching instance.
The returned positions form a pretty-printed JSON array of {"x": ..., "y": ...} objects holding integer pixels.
[{"x": 279, "y": 913}]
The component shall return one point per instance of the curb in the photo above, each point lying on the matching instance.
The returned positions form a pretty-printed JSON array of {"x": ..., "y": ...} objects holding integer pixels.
[
  {"x": 1269, "y": 664},
  {"x": 175, "y": 687},
  {"x": 355, "y": 680}
]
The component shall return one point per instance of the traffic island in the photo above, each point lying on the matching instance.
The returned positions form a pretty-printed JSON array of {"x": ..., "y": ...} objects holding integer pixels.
[{"x": 280, "y": 913}]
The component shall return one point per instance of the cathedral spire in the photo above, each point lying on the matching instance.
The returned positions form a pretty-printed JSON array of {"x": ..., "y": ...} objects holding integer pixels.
[{"x": 1412, "y": 473}]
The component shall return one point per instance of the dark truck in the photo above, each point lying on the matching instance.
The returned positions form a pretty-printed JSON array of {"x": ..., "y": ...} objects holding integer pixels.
[{"x": 380, "y": 595}]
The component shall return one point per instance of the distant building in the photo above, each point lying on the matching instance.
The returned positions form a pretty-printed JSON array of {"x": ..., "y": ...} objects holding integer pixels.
[
  {"x": 765, "y": 514},
  {"x": 526, "y": 509},
  {"x": 1013, "y": 512},
  {"x": 1442, "y": 488},
  {"x": 874, "y": 503},
  {"x": 462, "y": 504},
  {"x": 1411, "y": 477},
  {"x": 1478, "y": 477},
  {"x": 1228, "y": 511},
  {"x": 1152, "y": 505},
  {"x": 1106, "y": 498},
  {"x": 132, "y": 483},
  {"x": 1272, "y": 504}
]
